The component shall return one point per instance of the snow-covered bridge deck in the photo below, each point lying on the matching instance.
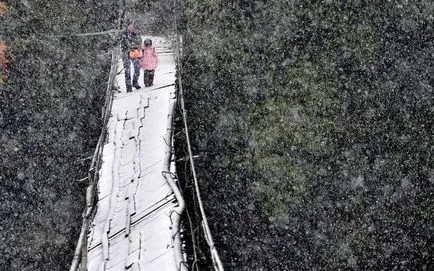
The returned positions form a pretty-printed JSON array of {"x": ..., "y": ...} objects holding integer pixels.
[{"x": 133, "y": 225}]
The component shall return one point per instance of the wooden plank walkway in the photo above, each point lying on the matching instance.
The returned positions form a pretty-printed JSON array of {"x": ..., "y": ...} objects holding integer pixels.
[{"x": 132, "y": 228}]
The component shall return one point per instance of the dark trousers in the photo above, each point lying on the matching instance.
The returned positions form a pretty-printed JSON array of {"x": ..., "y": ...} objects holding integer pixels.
[
  {"x": 127, "y": 69},
  {"x": 148, "y": 77}
]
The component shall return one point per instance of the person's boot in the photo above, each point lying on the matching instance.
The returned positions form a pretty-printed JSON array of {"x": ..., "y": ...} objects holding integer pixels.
[
  {"x": 151, "y": 78},
  {"x": 136, "y": 85},
  {"x": 129, "y": 89}
]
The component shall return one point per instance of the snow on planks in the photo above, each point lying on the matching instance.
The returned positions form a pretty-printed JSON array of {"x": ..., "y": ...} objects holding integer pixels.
[{"x": 132, "y": 226}]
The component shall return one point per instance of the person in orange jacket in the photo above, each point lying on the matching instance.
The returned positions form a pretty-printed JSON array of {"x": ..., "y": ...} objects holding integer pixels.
[
  {"x": 148, "y": 62},
  {"x": 130, "y": 41}
]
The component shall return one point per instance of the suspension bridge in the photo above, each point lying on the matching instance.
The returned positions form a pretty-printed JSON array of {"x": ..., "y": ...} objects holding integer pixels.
[{"x": 134, "y": 204}]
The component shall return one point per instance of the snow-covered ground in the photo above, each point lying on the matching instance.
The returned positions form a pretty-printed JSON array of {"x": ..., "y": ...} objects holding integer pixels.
[{"x": 132, "y": 227}]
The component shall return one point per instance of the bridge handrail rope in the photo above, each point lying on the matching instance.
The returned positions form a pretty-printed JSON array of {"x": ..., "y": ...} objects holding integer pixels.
[
  {"x": 91, "y": 195},
  {"x": 217, "y": 264},
  {"x": 93, "y": 173},
  {"x": 175, "y": 215}
]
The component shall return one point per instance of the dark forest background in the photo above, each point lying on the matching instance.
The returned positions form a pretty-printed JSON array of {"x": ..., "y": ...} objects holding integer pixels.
[
  {"x": 50, "y": 121},
  {"x": 312, "y": 122}
]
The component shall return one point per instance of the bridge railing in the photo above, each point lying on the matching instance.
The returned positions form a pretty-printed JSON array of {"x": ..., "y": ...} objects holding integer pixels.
[
  {"x": 215, "y": 258},
  {"x": 79, "y": 261}
]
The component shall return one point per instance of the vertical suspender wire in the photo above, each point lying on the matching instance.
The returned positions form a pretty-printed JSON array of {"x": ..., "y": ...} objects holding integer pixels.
[{"x": 218, "y": 266}]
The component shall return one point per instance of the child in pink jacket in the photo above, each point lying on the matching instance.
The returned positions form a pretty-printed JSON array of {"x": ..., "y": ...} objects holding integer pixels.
[{"x": 148, "y": 62}]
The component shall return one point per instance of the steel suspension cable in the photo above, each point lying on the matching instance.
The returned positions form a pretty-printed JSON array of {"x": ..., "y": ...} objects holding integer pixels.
[{"x": 214, "y": 253}]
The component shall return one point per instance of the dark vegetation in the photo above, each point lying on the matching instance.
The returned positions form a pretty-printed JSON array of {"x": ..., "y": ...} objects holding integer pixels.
[
  {"x": 312, "y": 124},
  {"x": 311, "y": 121},
  {"x": 50, "y": 121}
]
